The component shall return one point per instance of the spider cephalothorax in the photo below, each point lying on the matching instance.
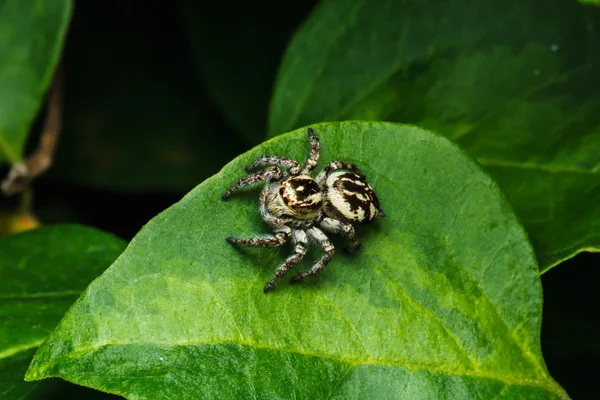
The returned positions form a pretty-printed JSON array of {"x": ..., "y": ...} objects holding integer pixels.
[{"x": 299, "y": 207}]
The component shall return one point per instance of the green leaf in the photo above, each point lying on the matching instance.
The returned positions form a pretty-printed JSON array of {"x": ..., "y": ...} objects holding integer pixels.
[
  {"x": 238, "y": 51},
  {"x": 134, "y": 119},
  {"x": 443, "y": 299},
  {"x": 31, "y": 39},
  {"x": 42, "y": 272},
  {"x": 520, "y": 96}
]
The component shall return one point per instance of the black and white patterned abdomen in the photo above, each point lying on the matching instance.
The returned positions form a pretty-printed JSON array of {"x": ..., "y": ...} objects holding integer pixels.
[{"x": 349, "y": 197}]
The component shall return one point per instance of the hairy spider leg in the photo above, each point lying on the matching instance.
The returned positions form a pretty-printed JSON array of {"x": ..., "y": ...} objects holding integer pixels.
[
  {"x": 301, "y": 240},
  {"x": 284, "y": 162},
  {"x": 313, "y": 159},
  {"x": 318, "y": 236},
  {"x": 265, "y": 174},
  {"x": 282, "y": 232},
  {"x": 341, "y": 227},
  {"x": 335, "y": 165},
  {"x": 279, "y": 239}
]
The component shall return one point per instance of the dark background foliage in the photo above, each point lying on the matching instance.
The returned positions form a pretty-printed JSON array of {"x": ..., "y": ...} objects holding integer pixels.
[{"x": 135, "y": 78}]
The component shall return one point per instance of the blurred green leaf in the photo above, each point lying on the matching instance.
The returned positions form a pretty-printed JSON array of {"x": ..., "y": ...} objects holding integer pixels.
[
  {"x": 135, "y": 117},
  {"x": 237, "y": 50},
  {"x": 31, "y": 39},
  {"x": 13, "y": 386},
  {"x": 514, "y": 83},
  {"x": 42, "y": 272},
  {"x": 444, "y": 298}
]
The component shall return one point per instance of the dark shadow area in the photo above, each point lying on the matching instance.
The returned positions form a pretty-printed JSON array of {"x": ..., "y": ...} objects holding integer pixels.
[{"x": 571, "y": 324}]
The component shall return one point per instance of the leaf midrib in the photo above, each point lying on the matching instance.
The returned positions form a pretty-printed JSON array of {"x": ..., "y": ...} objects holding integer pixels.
[
  {"x": 515, "y": 381},
  {"x": 525, "y": 352},
  {"x": 21, "y": 349},
  {"x": 32, "y": 297}
]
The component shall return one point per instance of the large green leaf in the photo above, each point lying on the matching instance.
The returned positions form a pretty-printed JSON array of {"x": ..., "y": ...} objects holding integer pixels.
[
  {"x": 42, "y": 272},
  {"x": 31, "y": 39},
  {"x": 517, "y": 86},
  {"x": 443, "y": 300},
  {"x": 237, "y": 50},
  {"x": 134, "y": 118}
]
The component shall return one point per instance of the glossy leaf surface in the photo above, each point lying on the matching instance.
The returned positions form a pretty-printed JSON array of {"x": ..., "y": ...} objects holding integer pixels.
[
  {"x": 516, "y": 86},
  {"x": 444, "y": 298},
  {"x": 42, "y": 272},
  {"x": 31, "y": 39}
]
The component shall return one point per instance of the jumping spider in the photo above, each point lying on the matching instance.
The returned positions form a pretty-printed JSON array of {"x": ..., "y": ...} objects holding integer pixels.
[{"x": 296, "y": 205}]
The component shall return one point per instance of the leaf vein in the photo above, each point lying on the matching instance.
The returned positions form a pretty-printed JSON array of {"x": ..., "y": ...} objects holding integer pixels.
[
  {"x": 447, "y": 246},
  {"x": 435, "y": 318},
  {"x": 558, "y": 169},
  {"x": 351, "y": 325},
  {"x": 352, "y": 362}
]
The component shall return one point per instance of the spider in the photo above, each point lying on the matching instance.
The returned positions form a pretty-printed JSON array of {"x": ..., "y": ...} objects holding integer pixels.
[{"x": 302, "y": 209}]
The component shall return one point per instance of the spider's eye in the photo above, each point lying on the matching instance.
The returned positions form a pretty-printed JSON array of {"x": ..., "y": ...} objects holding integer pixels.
[{"x": 301, "y": 194}]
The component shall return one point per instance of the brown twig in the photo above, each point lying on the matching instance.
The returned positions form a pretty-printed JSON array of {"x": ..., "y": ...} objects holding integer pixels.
[{"x": 38, "y": 162}]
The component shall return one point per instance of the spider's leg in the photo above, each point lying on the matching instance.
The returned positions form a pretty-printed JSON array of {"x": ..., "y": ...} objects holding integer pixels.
[
  {"x": 279, "y": 239},
  {"x": 313, "y": 159},
  {"x": 275, "y": 160},
  {"x": 317, "y": 235},
  {"x": 335, "y": 165},
  {"x": 301, "y": 240},
  {"x": 344, "y": 228},
  {"x": 267, "y": 173}
]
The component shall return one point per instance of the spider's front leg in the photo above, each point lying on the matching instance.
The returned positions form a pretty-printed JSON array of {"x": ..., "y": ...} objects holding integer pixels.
[
  {"x": 344, "y": 228},
  {"x": 301, "y": 239},
  {"x": 317, "y": 235},
  {"x": 313, "y": 159},
  {"x": 276, "y": 240},
  {"x": 275, "y": 160},
  {"x": 267, "y": 173},
  {"x": 282, "y": 231}
]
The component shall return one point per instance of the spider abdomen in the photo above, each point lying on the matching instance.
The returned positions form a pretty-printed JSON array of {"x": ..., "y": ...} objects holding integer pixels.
[
  {"x": 302, "y": 196},
  {"x": 349, "y": 197}
]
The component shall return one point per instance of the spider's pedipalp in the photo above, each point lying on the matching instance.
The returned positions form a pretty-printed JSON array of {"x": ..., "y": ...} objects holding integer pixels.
[
  {"x": 284, "y": 162},
  {"x": 272, "y": 220},
  {"x": 313, "y": 158},
  {"x": 301, "y": 239},
  {"x": 265, "y": 174},
  {"x": 318, "y": 236}
]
